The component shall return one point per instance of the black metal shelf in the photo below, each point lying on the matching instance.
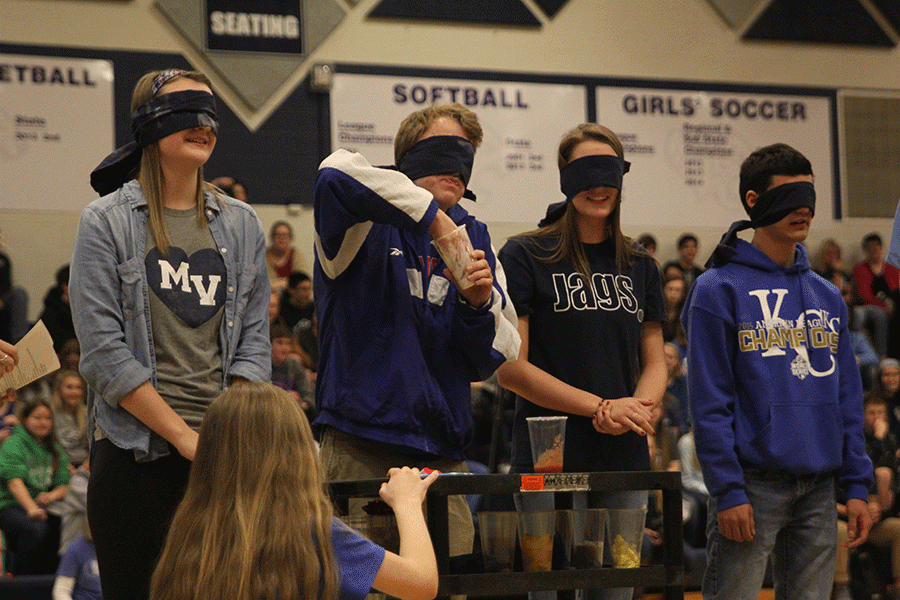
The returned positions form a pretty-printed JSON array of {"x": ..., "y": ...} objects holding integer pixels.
[{"x": 668, "y": 575}]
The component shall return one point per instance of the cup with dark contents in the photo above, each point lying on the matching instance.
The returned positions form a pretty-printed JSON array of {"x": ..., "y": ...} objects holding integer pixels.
[
  {"x": 548, "y": 435},
  {"x": 590, "y": 537}
]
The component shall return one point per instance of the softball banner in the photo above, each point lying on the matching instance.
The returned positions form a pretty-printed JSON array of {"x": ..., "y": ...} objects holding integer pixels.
[
  {"x": 515, "y": 175},
  {"x": 56, "y": 125}
]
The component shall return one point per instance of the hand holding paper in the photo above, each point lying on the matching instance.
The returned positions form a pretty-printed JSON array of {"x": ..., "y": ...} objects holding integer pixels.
[
  {"x": 33, "y": 357},
  {"x": 9, "y": 356}
]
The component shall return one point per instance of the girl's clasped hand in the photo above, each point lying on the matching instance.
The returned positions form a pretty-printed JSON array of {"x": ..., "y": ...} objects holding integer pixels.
[{"x": 619, "y": 415}]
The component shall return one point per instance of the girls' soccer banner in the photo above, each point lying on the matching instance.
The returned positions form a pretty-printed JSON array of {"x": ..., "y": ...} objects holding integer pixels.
[{"x": 686, "y": 148}]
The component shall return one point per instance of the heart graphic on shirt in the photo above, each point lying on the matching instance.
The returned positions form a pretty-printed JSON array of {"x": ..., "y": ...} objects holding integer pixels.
[{"x": 191, "y": 287}]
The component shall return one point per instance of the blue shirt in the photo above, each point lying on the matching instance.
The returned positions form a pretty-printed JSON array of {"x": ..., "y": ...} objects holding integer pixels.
[
  {"x": 109, "y": 296},
  {"x": 80, "y": 563},
  {"x": 358, "y": 561}
]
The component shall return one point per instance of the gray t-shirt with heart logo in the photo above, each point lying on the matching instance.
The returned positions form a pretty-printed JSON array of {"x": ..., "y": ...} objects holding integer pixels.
[{"x": 187, "y": 295}]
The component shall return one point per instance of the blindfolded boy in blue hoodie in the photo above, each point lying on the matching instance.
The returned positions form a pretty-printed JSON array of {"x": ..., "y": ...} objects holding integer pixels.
[{"x": 775, "y": 395}]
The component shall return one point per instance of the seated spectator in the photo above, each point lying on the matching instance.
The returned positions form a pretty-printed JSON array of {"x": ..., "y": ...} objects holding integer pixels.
[
  {"x": 262, "y": 494},
  {"x": 829, "y": 264},
  {"x": 675, "y": 292},
  {"x": 232, "y": 187},
  {"x": 70, "y": 355},
  {"x": 13, "y": 304},
  {"x": 882, "y": 450},
  {"x": 296, "y": 300},
  {"x": 298, "y": 350},
  {"x": 687, "y": 254},
  {"x": 866, "y": 357},
  {"x": 287, "y": 373},
  {"x": 671, "y": 270},
  {"x": 57, "y": 314},
  {"x": 72, "y": 510},
  {"x": 876, "y": 283},
  {"x": 881, "y": 446},
  {"x": 78, "y": 577},
  {"x": 70, "y": 416},
  {"x": 306, "y": 333},
  {"x": 648, "y": 242},
  {"x": 34, "y": 472},
  {"x": 887, "y": 388},
  {"x": 675, "y": 402},
  {"x": 281, "y": 256}
]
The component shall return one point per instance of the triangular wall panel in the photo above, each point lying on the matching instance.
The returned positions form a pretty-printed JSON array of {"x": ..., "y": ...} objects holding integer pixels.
[
  {"x": 254, "y": 77},
  {"x": 488, "y": 12},
  {"x": 820, "y": 21},
  {"x": 890, "y": 9},
  {"x": 551, "y": 7}
]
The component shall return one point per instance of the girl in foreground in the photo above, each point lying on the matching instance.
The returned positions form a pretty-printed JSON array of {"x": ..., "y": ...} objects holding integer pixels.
[{"x": 255, "y": 510}]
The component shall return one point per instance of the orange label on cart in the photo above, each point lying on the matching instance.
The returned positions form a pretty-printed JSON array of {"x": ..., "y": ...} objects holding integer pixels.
[
  {"x": 532, "y": 483},
  {"x": 556, "y": 482}
]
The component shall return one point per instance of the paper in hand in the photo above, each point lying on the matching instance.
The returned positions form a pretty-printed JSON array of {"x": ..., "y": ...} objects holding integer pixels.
[{"x": 36, "y": 359}]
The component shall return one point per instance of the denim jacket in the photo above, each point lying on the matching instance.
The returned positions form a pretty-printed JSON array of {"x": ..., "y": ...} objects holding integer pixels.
[{"x": 110, "y": 303}]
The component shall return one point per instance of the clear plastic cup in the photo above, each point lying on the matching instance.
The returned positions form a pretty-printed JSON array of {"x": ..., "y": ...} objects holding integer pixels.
[
  {"x": 536, "y": 531},
  {"x": 454, "y": 249},
  {"x": 590, "y": 537},
  {"x": 548, "y": 435},
  {"x": 498, "y": 539},
  {"x": 626, "y": 530}
]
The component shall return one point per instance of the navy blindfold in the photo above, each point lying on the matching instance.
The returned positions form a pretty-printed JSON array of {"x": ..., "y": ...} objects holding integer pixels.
[
  {"x": 586, "y": 173},
  {"x": 592, "y": 171},
  {"x": 440, "y": 155},
  {"x": 161, "y": 117},
  {"x": 771, "y": 206},
  {"x": 778, "y": 202}
]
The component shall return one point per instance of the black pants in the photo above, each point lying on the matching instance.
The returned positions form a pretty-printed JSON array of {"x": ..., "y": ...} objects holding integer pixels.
[
  {"x": 130, "y": 505},
  {"x": 34, "y": 543}
]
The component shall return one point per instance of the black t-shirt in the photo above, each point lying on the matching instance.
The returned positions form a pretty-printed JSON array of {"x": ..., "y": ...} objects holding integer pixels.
[{"x": 586, "y": 337}]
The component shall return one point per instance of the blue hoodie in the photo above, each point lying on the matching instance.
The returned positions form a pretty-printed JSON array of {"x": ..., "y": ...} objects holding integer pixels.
[
  {"x": 398, "y": 345},
  {"x": 772, "y": 379}
]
